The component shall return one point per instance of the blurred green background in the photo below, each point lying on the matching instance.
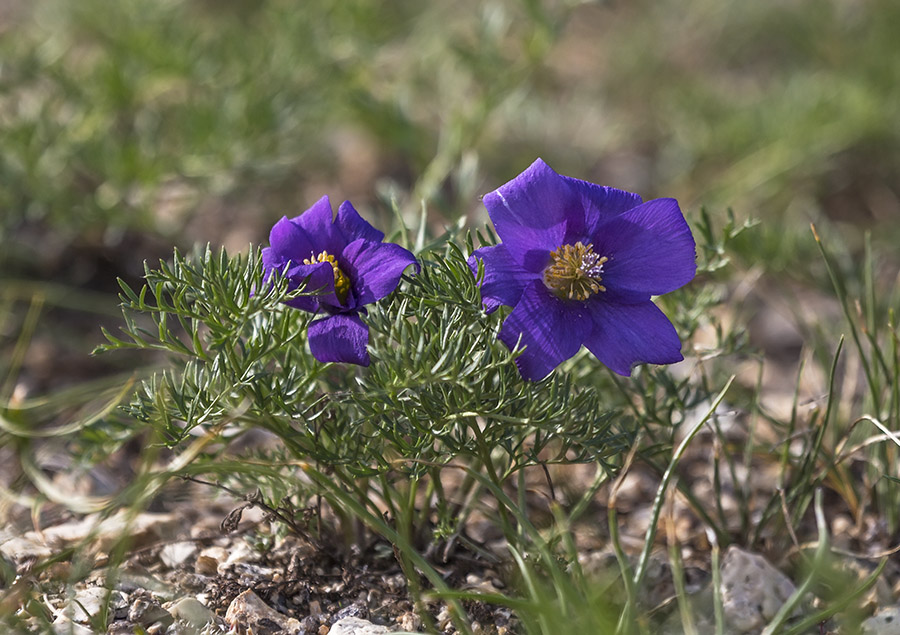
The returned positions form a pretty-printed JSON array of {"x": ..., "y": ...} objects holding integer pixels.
[{"x": 130, "y": 126}]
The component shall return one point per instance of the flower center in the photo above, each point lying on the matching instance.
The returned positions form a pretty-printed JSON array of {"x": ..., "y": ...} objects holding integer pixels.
[
  {"x": 574, "y": 272},
  {"x": 341, "y": 281}
]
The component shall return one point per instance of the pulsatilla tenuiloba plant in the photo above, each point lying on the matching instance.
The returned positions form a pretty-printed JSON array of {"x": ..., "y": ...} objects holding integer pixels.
[{"x": 399, "y": 386}]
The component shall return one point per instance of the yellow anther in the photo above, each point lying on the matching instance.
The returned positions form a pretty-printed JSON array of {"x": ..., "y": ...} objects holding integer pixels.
[
  {"x": 574, "y": 272},
  {"x": 341, "y": 281}
]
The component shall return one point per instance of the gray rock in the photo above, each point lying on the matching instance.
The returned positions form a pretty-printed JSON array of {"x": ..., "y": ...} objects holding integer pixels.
[
  {"x": 884, "y": 622},
  {"x": 752, "y": 591}
]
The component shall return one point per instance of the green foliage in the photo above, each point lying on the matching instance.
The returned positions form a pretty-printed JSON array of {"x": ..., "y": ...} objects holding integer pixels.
[
  {"x": 871, "y": 320},
  {"x": 440, "y": 388},
  {"x": 441, "y": 398},
  {"x": 110, "y": 112},
  {"x": 224, "y": 323}
]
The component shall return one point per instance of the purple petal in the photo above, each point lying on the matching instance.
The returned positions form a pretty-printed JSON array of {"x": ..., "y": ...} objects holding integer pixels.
[
  {"x": 352, "y": 226},
  {"x": 288, "y": 242},
  {"x": 627, "y": 334},
  {"x": 340, "y": 338},
  {"x": 271, "y": 260},
  {"x": 375, "y": 268},
  {"x": 504, "y": 278},
  {"x": 552, "y": 330},
  {"x": 533, "y": 213},
  {"x": 650, "y": 248},
  {"x": 306, "y": 303},
  {"x": 600, "y": 203},
  {"x": 318, "y": 223},
  {"x": 319, "y": 279}
]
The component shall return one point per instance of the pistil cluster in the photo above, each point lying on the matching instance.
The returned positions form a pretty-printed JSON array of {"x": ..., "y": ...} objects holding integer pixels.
[
  {"x": 341, "y": 281},
  {"x": 574, "y": 272}
]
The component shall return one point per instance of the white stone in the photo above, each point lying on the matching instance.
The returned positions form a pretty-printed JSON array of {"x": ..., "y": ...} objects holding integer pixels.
[
  {"x": 409, "y": 621},
  {"x": 248, "y": 609},
  {"x": 176, "y": 554},
  {"x": 357, "y": 626},
  {"x": 240, "y": 553},
  {"x": 143, "y": 529},
  {"x": 752, "y": 591},
  {"x": 192, "y": 612},
  {"x": 208, "y": 561},
  {"x": 219, "y": 554},
  {"x": 21, "y": 548},
  {"x": 87, "y": 603},
  {"x": 62, "y": 625}
]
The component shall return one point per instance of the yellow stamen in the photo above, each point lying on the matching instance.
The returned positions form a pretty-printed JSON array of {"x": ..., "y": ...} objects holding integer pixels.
[
  {"x": 574, "y": 272},
  {"x": 341, "y": 281}
]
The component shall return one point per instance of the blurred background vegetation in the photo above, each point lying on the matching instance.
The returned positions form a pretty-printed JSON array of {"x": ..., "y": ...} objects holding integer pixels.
[{"x": 129, "y": 127}]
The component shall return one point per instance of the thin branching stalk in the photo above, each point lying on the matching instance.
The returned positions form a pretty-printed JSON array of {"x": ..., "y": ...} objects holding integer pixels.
[
  {"x": 626, "y": 619},
  {"x": 644, "y": 558},
  {"x": 674, "y": 548},
  {"x": 718, "y": 600},
  {"x": 818, "y": 561}
]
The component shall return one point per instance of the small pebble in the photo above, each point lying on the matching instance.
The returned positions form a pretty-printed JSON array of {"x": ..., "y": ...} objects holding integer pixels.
[
  {"x": 175, "y": 554},
  {"x": 206, "y": 565},
  {"x": 409, "y": 621},
  {"x": 192, "y": 612}
]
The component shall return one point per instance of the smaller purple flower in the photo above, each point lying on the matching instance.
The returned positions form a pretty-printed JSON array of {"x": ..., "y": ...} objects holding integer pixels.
[
  {"x": 579, "y": 263},
  {"x": 345, "y": 266}
]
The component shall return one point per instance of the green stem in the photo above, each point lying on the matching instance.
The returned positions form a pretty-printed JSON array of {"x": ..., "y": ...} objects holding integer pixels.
[
  {"x": 509, "y": 531},
  {"x": 338, "y": 498}
]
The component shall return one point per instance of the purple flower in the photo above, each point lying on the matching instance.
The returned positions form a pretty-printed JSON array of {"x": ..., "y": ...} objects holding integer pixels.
[
  {"x": 344, "y": 265},
  {"x": 578, "y": 263}
]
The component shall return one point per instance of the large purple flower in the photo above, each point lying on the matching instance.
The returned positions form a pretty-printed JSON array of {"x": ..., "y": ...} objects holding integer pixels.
[
  {"x": 345, "y": 265},
  {"x": 579, "y": 263}
]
